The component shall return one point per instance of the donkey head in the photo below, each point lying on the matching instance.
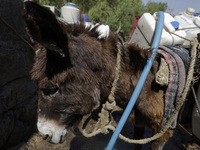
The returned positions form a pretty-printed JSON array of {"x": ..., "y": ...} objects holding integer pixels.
[{"x": 68, "y": 86}]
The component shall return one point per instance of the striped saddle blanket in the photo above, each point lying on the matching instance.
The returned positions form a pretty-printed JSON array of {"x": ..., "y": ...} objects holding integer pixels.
[{"x": 177, "y": 60}]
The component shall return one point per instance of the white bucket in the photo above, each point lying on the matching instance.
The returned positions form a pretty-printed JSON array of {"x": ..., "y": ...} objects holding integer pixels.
[
  {"x": 187, "y": 20},
  {"x": 70, "y": 13},
  {"x": 145, "y": 30}
]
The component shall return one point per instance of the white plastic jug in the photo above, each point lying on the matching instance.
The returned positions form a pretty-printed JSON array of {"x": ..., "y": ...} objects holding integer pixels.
[
  {"x": 145, "y": 30},
  {"x": 197, "y": 21},
  {"x": 70, "y": 13},
  {"x": 171, "y": 26},
  {"x": 189, "y": 24}
]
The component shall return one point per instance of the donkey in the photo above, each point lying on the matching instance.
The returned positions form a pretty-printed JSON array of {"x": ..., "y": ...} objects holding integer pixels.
[{"x": 74, "y": 70}]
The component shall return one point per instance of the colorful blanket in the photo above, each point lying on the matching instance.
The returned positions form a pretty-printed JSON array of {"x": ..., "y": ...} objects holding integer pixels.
[{"x": 177, "y": 78}]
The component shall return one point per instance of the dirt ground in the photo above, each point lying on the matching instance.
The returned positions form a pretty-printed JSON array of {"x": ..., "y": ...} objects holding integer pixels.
[{"x": 76, "y": 141}]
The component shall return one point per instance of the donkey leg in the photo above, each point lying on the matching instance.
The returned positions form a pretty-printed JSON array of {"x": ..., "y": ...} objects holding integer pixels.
[
  {"x": 138, "y": 134},
  {"x": 159, "y": 143}
]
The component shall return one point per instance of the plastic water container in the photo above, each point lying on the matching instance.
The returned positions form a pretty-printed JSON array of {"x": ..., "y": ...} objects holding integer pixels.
[
  {"x": 171, "y": 26},
  {"x": 187, "y": 20},
  {"x": 145, "y": 30},
  {"x": 197, "y": 21},
  {"x": 70, "y": 13},
  {"x": 83, "y": 17}
]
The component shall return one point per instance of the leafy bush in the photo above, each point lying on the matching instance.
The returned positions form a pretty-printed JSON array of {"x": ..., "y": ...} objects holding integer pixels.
[{"x": 114, "y": 13}]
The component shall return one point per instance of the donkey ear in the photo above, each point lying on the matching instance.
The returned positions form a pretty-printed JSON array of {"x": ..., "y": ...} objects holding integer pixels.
[{"x": 46, "y": 29}]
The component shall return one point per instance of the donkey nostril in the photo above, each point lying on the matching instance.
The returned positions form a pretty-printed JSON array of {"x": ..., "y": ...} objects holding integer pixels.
[
  {"x": 61, "y": 139},
  {"x": 47, "y": 137}
]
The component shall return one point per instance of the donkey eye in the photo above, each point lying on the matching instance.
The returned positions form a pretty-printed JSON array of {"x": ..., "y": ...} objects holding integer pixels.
[
  {"x": 50, "y": 91},
  {"x": 61, "y": 110}
]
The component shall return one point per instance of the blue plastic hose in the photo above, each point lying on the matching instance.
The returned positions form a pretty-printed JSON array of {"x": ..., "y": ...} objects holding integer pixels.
[{"x": 138, "y": 88}]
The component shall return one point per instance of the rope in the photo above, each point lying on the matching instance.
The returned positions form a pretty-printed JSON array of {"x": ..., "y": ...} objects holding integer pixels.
[
  {"x": 182, "y": 99},
  {"x": 194, "y": 44},
  {"x": 111, "y": 98},
  {"x": 110, "y": 104},
  {"x": 180, "y": 36},
  {"x": 188, "y": 28},
  {"x": 105, "y": 119},
  {"x": 183, "y": 29},
  {"x": 16, "y": 33}
]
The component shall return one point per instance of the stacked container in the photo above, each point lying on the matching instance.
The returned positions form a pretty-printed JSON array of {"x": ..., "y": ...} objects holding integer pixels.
[
  {"x": 145, "y": 30},
  {"x": 190, "y": 23},
  {"x": 70, "y": 12}
]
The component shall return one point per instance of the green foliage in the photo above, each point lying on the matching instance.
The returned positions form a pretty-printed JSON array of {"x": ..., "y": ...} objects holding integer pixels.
[
  {"x": 117, "y": 13},
  {"x": 123, "y": 15},
  {"x": 153, "y": 7},
  {"x": 114, "y": 13},
  {"x": 84, "y": 5},
  {"x": 56, "y": 3},
  {"x": 101, "y": 12}
]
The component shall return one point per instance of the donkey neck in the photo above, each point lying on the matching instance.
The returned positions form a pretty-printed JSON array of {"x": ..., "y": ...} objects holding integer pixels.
[{"x": 133, "y": 62}]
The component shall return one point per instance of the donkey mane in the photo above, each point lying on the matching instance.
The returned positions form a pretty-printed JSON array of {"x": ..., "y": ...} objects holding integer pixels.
[{"x": 60, "y": 46}]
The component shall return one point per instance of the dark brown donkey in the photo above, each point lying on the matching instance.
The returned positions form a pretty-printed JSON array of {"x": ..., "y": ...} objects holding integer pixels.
[{"x": 75, "y": 69}]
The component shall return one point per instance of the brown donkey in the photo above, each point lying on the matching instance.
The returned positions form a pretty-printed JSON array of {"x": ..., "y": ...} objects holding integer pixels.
[{"x": 74, "y": 70}]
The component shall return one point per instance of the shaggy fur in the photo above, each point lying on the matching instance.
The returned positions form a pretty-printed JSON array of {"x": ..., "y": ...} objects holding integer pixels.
[{"x": 75, "y": 70}]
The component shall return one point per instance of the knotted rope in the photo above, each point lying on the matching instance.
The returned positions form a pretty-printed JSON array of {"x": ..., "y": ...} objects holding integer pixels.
[
  {"x": 105, "y": 118},
  {"x": 181, "y": 101},
  {"x": 106, "y": 124}
]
